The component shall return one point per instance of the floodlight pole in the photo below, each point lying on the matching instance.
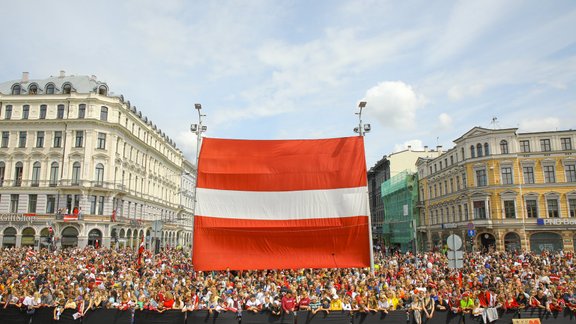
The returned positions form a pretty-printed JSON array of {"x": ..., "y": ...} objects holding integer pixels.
[
  {"x": 197, "y": 129},
  {"x": 362, "y": 132}
]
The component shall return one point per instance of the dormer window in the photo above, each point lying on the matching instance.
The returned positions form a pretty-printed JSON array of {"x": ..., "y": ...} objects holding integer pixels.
[
  {"x": 50, "y": 88},
  {"x": 33, "y": 89},
  {"x": 103, "y": 90},
  {"x": 67, "y": 88},
  {"x": 16, "y": 89}
]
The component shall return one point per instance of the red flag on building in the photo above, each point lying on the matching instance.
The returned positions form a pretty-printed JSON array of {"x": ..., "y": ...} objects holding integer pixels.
[
  {"x": 70, "y": 218},
  {"x": 281, "y": 204}
]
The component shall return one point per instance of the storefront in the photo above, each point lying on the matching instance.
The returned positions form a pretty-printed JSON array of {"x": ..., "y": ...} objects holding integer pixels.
[
  {"x": 546, "y": 241},
  {"x": 95, "y": 238},
  {"x": 69, "y": 237},
  {"x": 512, "y": 242},
  {"x": 9, "y": 239},
  {"x": 28, "y": 237}
]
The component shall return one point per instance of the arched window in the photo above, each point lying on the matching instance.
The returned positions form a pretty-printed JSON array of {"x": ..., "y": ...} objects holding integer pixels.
[
  {"x": 36, "y": 174},
  {"x": 479, "y": 149},
  {"x": 54, "y": 174},
  {"x": 103, "y": 90},
  {"x": 66, "y": 88},
  {"x": 104, "y": 113},
  {"x": 18, "y": 174},
  {"x": 486, "y": 149},
  {"x": 33, "y": 89},
  {"x": 503, "y": 147},
  {"x": 16, "y": 89},
  {"x": 50, "y": 88},
  {"x": 76, "y": 173},
  {"x": 99, "y": 174},
  {"x": 472, "y": 151}
]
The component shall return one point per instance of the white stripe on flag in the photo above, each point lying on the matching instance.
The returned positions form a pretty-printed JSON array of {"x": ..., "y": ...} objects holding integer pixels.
[{"x": 282, "y": 205}]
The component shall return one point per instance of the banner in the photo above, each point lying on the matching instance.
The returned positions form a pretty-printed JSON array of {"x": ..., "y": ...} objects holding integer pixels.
[
  {"x": 334, "y": 317},
  {"x": 204, "y": 317},
  {"x": 153, "y": 317},
  {"x": 258, "y": 199},
  {"x": 267, "y": 318},
  {"x": 107, "y": 316}
]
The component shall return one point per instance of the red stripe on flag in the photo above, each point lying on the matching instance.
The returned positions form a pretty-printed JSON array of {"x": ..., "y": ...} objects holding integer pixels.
[
  {"x": 282, "y": 165},
  {"x": 70, "y": 218}
]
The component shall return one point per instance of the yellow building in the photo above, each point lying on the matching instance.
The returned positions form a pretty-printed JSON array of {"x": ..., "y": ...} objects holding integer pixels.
[{"x": 501, "y": 189}]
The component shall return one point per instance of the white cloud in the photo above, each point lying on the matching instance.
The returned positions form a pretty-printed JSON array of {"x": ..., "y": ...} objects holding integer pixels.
[
  {"x": 458, "y": 92},
  {"x": 394, "y": 103},
  {"x": 415, "y": 145},
  {"x": 540, "y": 124},
  {"x": 445, "y": 120}
]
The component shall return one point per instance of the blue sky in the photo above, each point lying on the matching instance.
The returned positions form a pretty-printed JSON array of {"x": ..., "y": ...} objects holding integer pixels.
[{"x": 297, "y": 69}]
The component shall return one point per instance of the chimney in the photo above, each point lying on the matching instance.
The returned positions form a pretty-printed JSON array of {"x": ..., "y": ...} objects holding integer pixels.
[
  {"x": 409, "y": 147},
  {"x": 425, "y": 148},
  {"x": 25, "y": 76},
  {"x": 62, "y": 73},
  {"x": 439, "y": 148}
]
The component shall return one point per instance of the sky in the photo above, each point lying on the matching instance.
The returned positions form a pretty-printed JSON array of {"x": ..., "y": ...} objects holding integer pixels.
[{"x": 429, "y": 71}]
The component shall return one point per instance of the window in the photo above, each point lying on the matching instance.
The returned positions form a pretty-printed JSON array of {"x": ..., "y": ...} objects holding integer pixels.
[
  {"x": 2, "y": 171},
  {"x": 36, "y": 174},
  {"x": 50, "y": 88},
  {"x": 104, "y": 113},
  {"x": 102, "y": 90},
  {"x": 67, "y": 88},
  {"x": 503, "y": 147},
  {"x": 5, "y": 138},
  {"x": 531, "y": 208},
  {"x": 479, "y": 210},
  {"x": 18, "y": 174},
  {"x": 553, "y": 211},
  {"x": 81, "y": 111},
  {"x": 60, "y": 114},
  {"x": 76, "y": 173},
  {"x": 54, "y": 174},
  {"x": 33, "y": 89},
  {"x": 8, "y": 114},
  {"x": 545, "y": 145},
  {"x": 58, "y": 139},
  {"x": 570, "y": 173},
  {"x": 452, "y": 159},
  {"x": 464, "y": 180},
  {"x": 572, "y": 207},
  {"x": 509, "y": 209},
  {"x": 525, "y": 146},
  {"x": 99, "y": 174},
  {"x": 549, "y": 174},
  {"x": 472, "y": 151},
  {"x": 566, "y": 144},
  {"x": 451, "y": 185},
  {"x": 32, "y": 201},
  {"x": 40, "y": 139},
  {"x": 101, "y": 205},
  {"x": 50, "y": 204},
  {"x": 16, "y": 89},
  {"x": 507, "y": 175},
  {"x": 14, "y": 203},
  {"x": 101, "y": 141},
  {"x": 22, "y": 139},
  {"x": 457, "y": 182},
  {"x": 25, "y": 111},
  {"x": 528, "y": 174},
  {"x": 79, "y": 138},
  {"x": 479, "y": 149},
  {"x": 481, "y": 180},
  {"x": 93, "y": 205},
  {"x": 440, "y": 165},
  {"x": 43, "y": 109},
  {"x": 486, "y": 149}
]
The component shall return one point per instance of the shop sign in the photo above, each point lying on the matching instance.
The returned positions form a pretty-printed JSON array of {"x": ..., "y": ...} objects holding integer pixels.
[
  {"x": 17, "y": 217},
  {"x": 555, "y": 221}
]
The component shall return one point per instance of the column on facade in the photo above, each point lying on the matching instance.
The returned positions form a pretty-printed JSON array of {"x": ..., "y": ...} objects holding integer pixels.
[{"x": 18, "y": 239}]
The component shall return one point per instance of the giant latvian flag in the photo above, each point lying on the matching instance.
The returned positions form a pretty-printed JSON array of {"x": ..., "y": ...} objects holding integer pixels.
[{"x": 278, "y": 204}]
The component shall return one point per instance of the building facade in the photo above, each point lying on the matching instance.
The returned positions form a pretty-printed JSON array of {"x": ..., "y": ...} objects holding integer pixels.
[
  {"x": 501, "y": 190},
  {"x": 81, "y": 166},
  {"x": 387, "y": 167}
]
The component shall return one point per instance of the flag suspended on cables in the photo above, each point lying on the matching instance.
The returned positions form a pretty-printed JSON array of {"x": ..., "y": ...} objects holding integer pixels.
[{"x": 272, "y": 204}]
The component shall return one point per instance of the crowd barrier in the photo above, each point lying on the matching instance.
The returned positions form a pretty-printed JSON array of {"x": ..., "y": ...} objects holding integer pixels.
[{"x": 13, "y": 315}]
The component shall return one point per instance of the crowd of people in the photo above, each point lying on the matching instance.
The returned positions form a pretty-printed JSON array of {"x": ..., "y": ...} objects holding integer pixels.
[{"x": 88, "y": 278}]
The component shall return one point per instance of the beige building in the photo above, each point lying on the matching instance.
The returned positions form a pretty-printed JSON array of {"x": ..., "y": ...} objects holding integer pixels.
[
  {"x": 501, "y": 189},
  {"x": 84, "y": 164}
]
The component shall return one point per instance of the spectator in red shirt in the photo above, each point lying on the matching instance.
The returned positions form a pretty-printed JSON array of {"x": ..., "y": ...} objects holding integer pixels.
[{"x": 288, "y": 303}]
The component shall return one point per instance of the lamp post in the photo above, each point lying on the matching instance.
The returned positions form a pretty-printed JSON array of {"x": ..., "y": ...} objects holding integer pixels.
[
  {"x": 362, "y": 129},
  {"x": 197, "y": 129}
]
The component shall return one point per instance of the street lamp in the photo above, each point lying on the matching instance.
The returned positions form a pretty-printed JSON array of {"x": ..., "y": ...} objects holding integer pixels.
[
  {"x": 197, "y": 129},
  {"x": 361, "y": 129}
]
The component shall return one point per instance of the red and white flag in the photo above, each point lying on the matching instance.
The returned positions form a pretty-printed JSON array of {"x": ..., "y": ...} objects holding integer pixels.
[
  {"x": 141, "y": 250},
  {"x": 273, "y": 204},
  {"x": 70, "y": 218}
]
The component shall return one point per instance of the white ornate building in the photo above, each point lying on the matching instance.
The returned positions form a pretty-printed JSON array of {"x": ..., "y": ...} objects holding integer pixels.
[{"x": 84, "y": 163}]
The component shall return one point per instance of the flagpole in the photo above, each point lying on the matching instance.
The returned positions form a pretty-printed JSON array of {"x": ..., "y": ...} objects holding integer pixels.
[{"x": 362, "y": 130}]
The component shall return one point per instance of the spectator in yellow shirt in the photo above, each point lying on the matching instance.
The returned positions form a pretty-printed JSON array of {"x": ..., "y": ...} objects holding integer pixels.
[{"x": 336, "y": 303}]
